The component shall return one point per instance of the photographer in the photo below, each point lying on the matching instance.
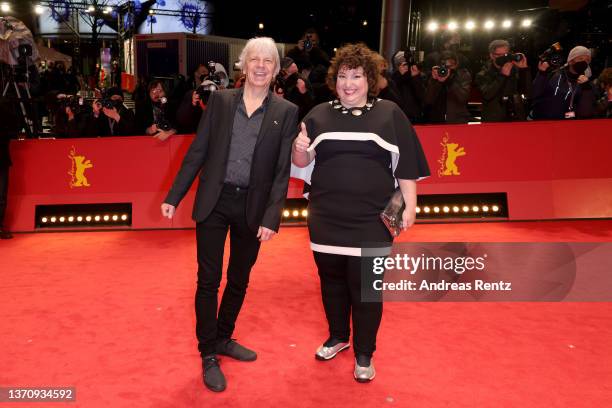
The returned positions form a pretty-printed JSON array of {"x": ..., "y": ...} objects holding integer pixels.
[
  {"x": 312, "y": 63},
  {"x": 409, "y": 82},
  {"x": 152, "y": 113},
  {"x": 110, "y": 117},
  {"x": 70, "y": 115},
  {"x": 291, "y": 86},
  {"x": 194, "y": 101},
  {"x": 448, "y": 90},
  {"x": 505, "y": 84},
  {"x": 604, "y": 104},
  {"x": 567, "y": 92}
]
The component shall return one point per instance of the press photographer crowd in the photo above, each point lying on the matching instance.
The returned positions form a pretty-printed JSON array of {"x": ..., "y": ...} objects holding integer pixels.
[{"x": 446, "y": 87}]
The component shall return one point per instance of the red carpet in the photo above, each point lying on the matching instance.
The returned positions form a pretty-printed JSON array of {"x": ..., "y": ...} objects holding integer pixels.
[{"x": 111, "y": 313}]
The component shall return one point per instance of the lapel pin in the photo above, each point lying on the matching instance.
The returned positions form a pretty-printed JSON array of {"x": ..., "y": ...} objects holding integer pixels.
[{"x": 275, "y": 122}]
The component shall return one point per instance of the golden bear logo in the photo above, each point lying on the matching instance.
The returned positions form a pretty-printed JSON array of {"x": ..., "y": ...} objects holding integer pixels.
[
  {"x": 450, "y": 153},
  {"x": 77, "y": 171}
]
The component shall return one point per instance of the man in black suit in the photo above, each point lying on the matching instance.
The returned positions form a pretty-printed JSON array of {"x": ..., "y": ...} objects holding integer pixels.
[{"x": 243, "y": 150}]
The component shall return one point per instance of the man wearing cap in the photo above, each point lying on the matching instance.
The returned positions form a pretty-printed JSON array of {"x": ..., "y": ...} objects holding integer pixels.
[
  {"x": 290, "y": 85},
  {"x": 409, "y": 81},
  {"x": 566, "y": 93},
  {"x": 111, "y": 117}
]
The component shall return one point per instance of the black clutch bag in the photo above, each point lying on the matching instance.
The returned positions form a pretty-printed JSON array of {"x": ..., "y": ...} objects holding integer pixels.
[{"x": 392, "y": 214}]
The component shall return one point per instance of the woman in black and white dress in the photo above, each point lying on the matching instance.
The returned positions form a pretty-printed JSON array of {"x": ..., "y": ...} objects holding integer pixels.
[{"x": 354, "y": 152}]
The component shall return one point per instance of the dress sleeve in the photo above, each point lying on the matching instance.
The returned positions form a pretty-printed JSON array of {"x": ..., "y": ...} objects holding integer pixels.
[{"x": 412, "y": 163}]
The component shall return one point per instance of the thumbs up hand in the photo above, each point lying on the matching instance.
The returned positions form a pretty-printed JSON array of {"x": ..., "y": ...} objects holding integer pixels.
[{"x": 302, "y": 141}]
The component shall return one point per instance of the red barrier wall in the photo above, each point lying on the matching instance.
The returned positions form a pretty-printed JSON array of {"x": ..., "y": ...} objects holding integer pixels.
[{"x": 548, "y": 169}]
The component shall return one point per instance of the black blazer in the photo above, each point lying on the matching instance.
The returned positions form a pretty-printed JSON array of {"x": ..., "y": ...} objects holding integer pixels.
[{"x": 270, "y": 165}]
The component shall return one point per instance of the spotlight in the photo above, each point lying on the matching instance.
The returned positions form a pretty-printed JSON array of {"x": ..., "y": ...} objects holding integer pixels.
[
  {"x": 91, "y": 9},
  {"x": 44, "y": 219},
  {"x": 71, "y": 219},
  {"x": 5, "y": 7},
  {"x": 335, "y": 49},
  {"x": 446, "y": 209},
  {"x": 88, "y": 218},
  {"x": 495, "y": 208},
  {"x": 436, "y": 209},
  {"x": 296, "y": 213},
  {"x": 62, "y": 219},
  {"x": 304, "y": 213},
  {"x": 97, "y": 218},
  {"x": 485, "y": 208},
  {"x": 455, "y": 209},
  {"x": 106, "y": 218},
  {"x": 79, "y": 219},
  {"x": 489, "y": 24},
  {"x": 150, "y": 11},
  {"x": 108, "y": 10},
  {"x": 53, "y": 219},
  {"x": 418, "y": 210},
  {"x": 124, "y": 217},
  {"x": 38, "y": 9},
  {"x": 526, "y": 23},
  {"x": 507, "y": 24},
  {"x": 452, "y": 26},
  {"x": 286, "y": 213},
  {"x": 115, "y": 217},
  {"x": 261, "y": 26},
  {"x": 475, "y": 208},
  {"x": 466, "y": 208},
  {"x": 432, "y": 26},
  {"x": 427, "y": 210},
  {"x": 364, "y": 23},
  {"x": 470, "y": 25}
]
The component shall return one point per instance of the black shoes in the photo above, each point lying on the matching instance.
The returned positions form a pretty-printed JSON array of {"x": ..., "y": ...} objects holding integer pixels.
[
  {"x": 230, "y": 348},
  {"x": 213, "y": 376}
]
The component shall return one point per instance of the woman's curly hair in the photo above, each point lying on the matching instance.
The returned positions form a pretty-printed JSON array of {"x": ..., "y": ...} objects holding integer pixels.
[
  {"x": 353, "y": 56},
  {"x": 605, "y": 78}
]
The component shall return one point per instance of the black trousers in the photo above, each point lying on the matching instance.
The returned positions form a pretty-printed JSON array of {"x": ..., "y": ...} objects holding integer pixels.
[
  {"x": 229, "y": 213},
  {"x": 4, "y": 180},
  {"x": 341, "y": 291}
]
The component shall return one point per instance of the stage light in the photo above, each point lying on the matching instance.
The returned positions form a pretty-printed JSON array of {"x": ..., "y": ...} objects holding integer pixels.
[
  {"x": 106, "y": 218},
  {"x": 62, "y": 219},
  {"x": 485, "y": 208},
  {"x": 286, "y": 213},
  {"x": 432, "y": 26},
  {"x": 466, "y": 208},
  {"x": 495, "y": 208},
  {"x": 88, "y": 218},
  {"x": 455, "y": 209},
  {"x": 296, "y": 213},
  {"x": 475, "y": 208},
  {"x": 38, "y": 9},
  {"x": 436, "y": 209},
  {"x": 261, "y": 26},
  {"x": 335, "y": 50},
  {"x": 427, "y": 210},
  {"x": 71, "y": 219},
  {"x": 489, "y": 24},
  {"x": 108, "y": 10},
  {"x": 115, "y": 217},
  {"x": 446, "y": 209},
  {"x": 526, "y": 23},
  {"x": 53, "y": 219},
  {"x": 470, "y": 25},
  {"x": 124, "y": 217},
  {"x": 507, "y": 24},
  {"x": 79, "y": 219},
  {"x": 91, "y": 9},
  {"x": 365, "y": 23},
  {"x": 304, "y": 213},
  {"x": 44, "y": 219},
  {"x": 418, "y": 210},
  {"x": 97, "y": 218},
  {"x": 5, "y": 7},
  {"x": 150, "y": 11},
  {"x": 452, "y": 26}
]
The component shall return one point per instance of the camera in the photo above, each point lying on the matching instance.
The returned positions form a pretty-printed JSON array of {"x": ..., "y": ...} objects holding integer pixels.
[
  {"x": 164, "y": 124},
  {"x": 74, "y": 102},
  {"x": 442, "y": 70},
  {"x": 110, "y": 103},
  {"x": 515, "y": 107},
  {"x": 308, "y": 43},
  {"x": 504, "y": 59},
  {"x": 553, "y": 55}
]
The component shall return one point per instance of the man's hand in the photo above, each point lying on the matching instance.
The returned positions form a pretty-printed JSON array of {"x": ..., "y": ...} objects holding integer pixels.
[
  {"x": 506, "y": 69},
  {"x": 265, "y": 234},
  {"x": 112, "y": 113},
  {"x": 164, "y": 134},
  {"x": 195, "y": 98},
  {"x": 302, "y": 141},
  {"x": 582, "y": 79},
  {"x": 168, "y": 210},
  {"x": 414, "y": 70},
  {"x": 543, "y": 66},
  {"x": 151, "y": 130},
  {"x": 301, "y": 86},
  {"x": 522, "y": 63}
]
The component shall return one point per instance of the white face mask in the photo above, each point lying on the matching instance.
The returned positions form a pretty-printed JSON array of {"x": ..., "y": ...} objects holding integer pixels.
[{"x": 588, "y": 72}]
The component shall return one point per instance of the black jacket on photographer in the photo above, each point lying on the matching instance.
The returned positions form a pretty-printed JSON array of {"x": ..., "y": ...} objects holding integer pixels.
[
  {"x": 411, "y": 90},
  {"x": 148, "y": 114},
  {"x": 105, "y": 126},
  {"x": 558, "y": 92},
  {"x": 446, "y": 102},
  {"x": 187, "y": 115},
  {"x": 502, "y": 96}
]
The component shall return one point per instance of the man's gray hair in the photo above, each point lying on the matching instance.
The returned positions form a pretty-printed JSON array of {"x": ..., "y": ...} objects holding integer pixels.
[
  {"x": 495, "y": 44},
  {"x": 266, "y": 46}
]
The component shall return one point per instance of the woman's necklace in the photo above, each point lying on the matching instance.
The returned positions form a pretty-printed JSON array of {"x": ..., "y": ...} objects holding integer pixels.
[{"x": 356, "y": 111}]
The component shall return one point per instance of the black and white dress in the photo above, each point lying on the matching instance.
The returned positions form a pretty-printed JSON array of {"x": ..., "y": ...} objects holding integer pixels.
[{"x": 357, "y": 162}]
